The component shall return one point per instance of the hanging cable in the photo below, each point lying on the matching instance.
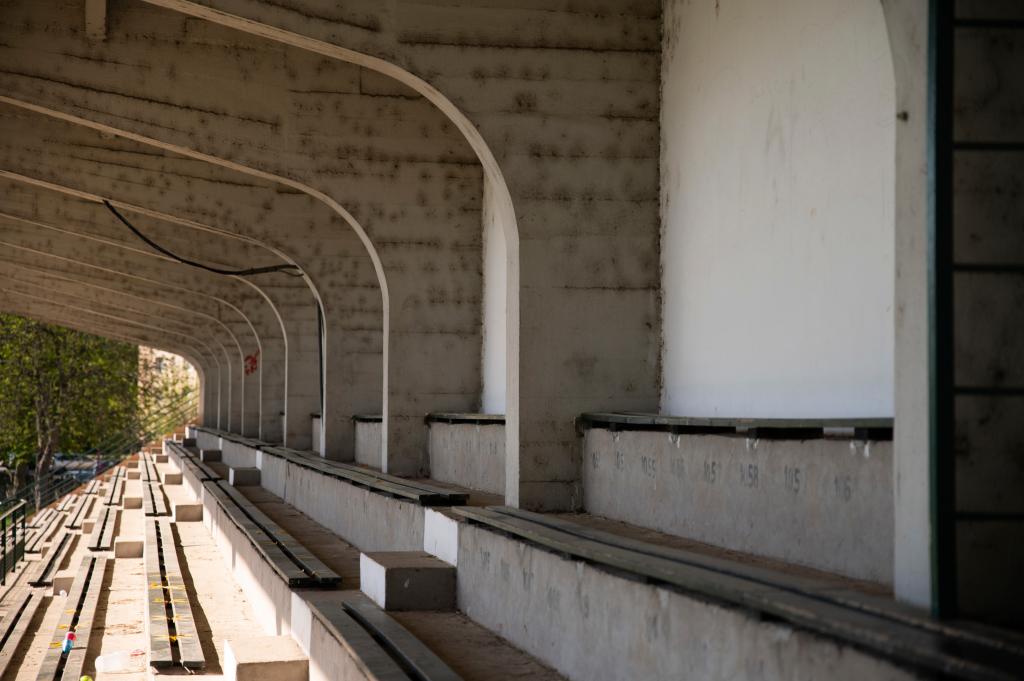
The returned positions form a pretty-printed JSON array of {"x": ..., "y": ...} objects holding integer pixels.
[{"x": 290, "y": 270}]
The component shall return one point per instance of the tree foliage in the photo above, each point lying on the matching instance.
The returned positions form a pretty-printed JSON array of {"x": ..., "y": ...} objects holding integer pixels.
[{"x": 61, "y": 391}]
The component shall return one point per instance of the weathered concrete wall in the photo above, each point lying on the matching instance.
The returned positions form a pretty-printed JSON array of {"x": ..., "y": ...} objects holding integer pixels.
[
  {"x": 590, "y": 624},
  {"x": 822, "y": 503},
  {"x": 576, "y": 144},
  {"x": 368, "y": 443},
  {"x": 468, "y": 454},
  {"x": 397, "y": 165},
  {"x": 777, "y": 191},
  {"x": 988, "y": 338},
  {"x": 268, "y": 594},
  {"x": 367, "y": 520}
]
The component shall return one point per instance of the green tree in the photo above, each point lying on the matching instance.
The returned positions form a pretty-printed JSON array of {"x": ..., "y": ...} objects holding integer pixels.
[{"x": 61, "y": 390}]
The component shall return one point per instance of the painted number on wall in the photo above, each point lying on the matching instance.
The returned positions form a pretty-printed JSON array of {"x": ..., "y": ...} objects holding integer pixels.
[
  {"x": 748, "y": 474},
  {"x": 792, "y": 474},
  {"x": 710, "y": 472}
]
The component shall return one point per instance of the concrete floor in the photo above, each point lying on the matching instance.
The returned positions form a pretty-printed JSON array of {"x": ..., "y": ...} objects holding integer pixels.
[{"x": 219, "y": 607}]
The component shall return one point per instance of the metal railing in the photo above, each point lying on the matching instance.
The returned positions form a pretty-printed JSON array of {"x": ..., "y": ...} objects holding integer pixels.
[
  {"x": 13, "y": 541},
  {"x": 42, "y": 492}
]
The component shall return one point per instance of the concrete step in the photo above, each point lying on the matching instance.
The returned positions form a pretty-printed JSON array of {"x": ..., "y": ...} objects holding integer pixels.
[
  {"x": 210, "y": 455},
  {"x": 264, "y": 658},
  {"x": 239, "y": 477},
  {"x": 407, "y": 580}
]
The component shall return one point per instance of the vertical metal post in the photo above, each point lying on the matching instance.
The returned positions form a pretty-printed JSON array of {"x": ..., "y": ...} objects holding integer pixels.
[
  {"x": 941, "y": 404},
  {"x": 3, "y": 528}
]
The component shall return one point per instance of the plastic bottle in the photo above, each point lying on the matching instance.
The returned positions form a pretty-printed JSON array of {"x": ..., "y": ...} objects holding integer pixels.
[
  {"x": 69, "y": 642},
  {"x": 121, "y": 661}
]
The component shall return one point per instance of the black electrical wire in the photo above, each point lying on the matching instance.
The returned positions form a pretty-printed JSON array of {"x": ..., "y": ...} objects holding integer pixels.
[{"x": 290, "y": 270}]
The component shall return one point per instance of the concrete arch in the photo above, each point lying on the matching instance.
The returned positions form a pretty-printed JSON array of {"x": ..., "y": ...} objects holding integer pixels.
[
  {"x": 322, "y": 197},
  {"x": 294, "y": 184},
  {"x": 190, "y": 354},
  {"x": 42, "y": 247},
  {"x": 588, "y": 98},
  {"x": 151, "y": 289},
  {"x": 84, "y": 274},
  {"x": 184, "y": 222},
  {"x": 58, "y": 282},
  {"x": 232, "y": 397},
  {"x": 173, "y": 190},
  {"x": 115, "y": 320},
  {"x": 504, "y": 214}
]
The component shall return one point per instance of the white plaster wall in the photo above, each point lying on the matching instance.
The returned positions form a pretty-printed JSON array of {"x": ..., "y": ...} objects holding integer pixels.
[
  {"x": 495, "y": 292},
  {"x": 778, "y": 158}
]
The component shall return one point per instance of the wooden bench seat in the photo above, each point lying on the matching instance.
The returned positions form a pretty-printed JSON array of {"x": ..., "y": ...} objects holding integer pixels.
[
  {"x": 381, "y": 646},
  {"x": 102, "y": 537},
  {"x": 21, "y": 604},
  {"x": 153, "y": 502},
  {"x": 77, "y": 616},
  {"x": 422, "y": 493},
  {"x": 42, "y": 573},
  {"x": 81, "y": 512},
  {"x": 878, "y": 625},
  {"x": 173, "y": 637},
  {"x": 290, "y": 559},
  {"x": 40, "y": 535},
  {"x": 116, "y": 491}
]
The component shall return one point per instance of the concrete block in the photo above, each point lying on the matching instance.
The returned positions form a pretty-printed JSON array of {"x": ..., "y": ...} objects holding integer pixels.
[
  {"x": 407, "y": 580},
  {"x": 441, "y": 536},
  {"x": 128, "y": 547},
  {"x": 264, "y": 658},
  {"x": 62, "y": 584},
  {"x": 209, "y": 455},
  {"x": 301, "y": 621},
  {"x": 160, "y": 458},
  {"x": 188, "y": 513},
  {"x": 134, "y": 475},
  {"x": 172, "y": 478},
  {"x": 129, "y": 503},
  {"x": 240, "y": 477},
  {"x": 468, "y": 454},
  {"x": 368, "y": 436}
]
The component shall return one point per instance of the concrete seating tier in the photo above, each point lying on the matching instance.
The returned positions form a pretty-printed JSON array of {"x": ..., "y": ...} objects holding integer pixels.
[
  {"x": 149, "y": 473},
  {"x": 81, "y": 512},
  {"x": 886, "y": 630},
  {"x": 194, "y": 472},
  {"x": 292, "y": 561},
  {"x": 369, "y": 637},
  {"x": 173, "y": 638},
  {"x": 468, "y": 450},
  {"x": 77, "y": 616},
  {"x": 422, "y": 493},
  {"x": 153, "y": 501},
  {"x": 93, "y": 487},
  {"x": 102, "y": 537},
  {"x": 23, "y": 604},
  {"x": 43, "y": 530},
  {"x": 116, "y": 488},
  {"x": 42, "y": 518},
  {"x": 42, "y": 574},
  {"x": 812, "y": 492}
]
